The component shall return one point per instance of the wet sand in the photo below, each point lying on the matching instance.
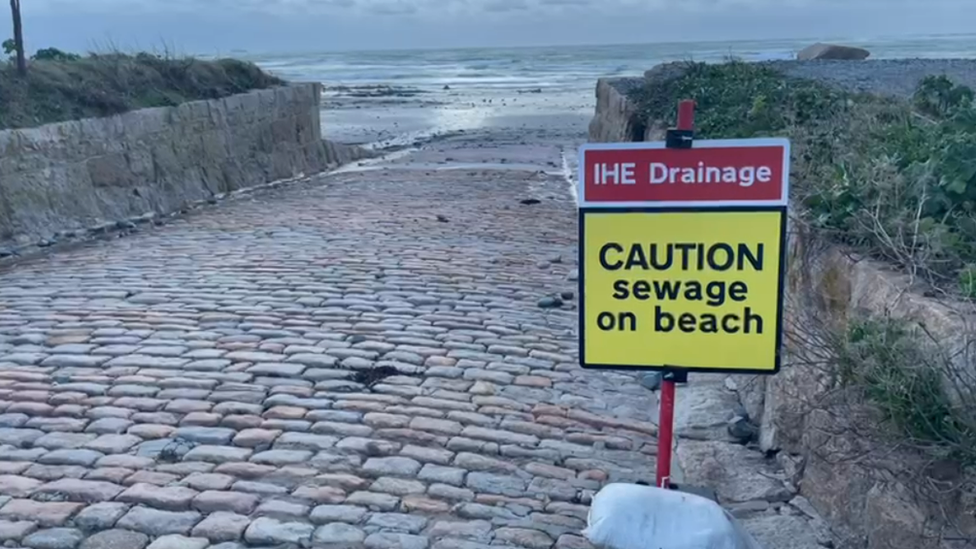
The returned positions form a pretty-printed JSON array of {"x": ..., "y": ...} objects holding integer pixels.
[{"x": 400, "y": 118}]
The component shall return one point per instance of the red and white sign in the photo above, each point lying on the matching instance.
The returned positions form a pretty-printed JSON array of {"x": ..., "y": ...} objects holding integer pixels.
[{"x": 720, "y": 172}]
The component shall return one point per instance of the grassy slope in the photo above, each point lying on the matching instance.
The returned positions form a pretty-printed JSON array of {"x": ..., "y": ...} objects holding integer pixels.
[
  {"x": 56, "y": 90},
  {"x": 892, "y": 179}
]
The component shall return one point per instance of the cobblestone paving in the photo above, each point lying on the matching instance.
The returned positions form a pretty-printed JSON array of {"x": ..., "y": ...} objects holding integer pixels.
[{"x": 360, "y": 360}]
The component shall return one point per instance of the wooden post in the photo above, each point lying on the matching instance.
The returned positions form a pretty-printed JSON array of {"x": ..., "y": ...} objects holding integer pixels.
[{"x": 18, "y": 37}]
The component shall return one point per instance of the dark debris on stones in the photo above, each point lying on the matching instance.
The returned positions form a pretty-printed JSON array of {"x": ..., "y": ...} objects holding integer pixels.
[
  {"x": 550, "y": 302},
  {"x": 374, "y": 375},
  {"x": 175, "y": 450}
]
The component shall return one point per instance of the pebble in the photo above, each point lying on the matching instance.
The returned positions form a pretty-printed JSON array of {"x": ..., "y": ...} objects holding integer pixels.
[
  {"x": 206, "y": 435},
  {"x": 164, "y": 497},
  {"x": 397, "y": 466},
  {"x": 281, "y": 510},
  {"x": 53, "y": 513},
  {"x": 237, "y": 502},
  {"x": 221, "y": 526},
  {"x": 100, "y": 516},
  {"x": 550, "y": 302},
  {"x": 475, "y": 529},
  {"x": 374, "y": 501},
  {"x": 54, "y": 538},
  {"x": 337, "y": 513},
  {"x": 281, "y": 457},
  {"x": 270, "y": 531},
  {"x": 338, "y": 533},
  {"x": 742, "y": 430},
  {"x": 651, "y": 381},
  {"x": 391, "y": 540},
  {"x": 446, "y": 475},
  {"x": 179, "y": 542},
  {"x": 115, "y": 539},
  {"x": 158, "y": 523},
  {"x": 524, "y": 537},
  {"x": 398, "y": 522}
]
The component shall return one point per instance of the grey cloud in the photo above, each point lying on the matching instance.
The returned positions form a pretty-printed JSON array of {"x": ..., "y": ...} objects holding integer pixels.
[
  {"x": 391, "y": 8},
  {"x": 315, "y": 25},
  {"x": 565, "y": 2},
  {"x": 500, "y": 6}
]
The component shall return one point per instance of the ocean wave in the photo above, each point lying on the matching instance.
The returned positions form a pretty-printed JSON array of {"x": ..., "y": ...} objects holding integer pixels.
[{"x": 574, "y": 67}]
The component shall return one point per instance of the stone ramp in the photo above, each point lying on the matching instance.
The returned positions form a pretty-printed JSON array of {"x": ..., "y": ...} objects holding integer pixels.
[
  {"x": 359, "y": 359},
  {"x": 752, "y": 486},
  {"x": 356, "y": 360}
]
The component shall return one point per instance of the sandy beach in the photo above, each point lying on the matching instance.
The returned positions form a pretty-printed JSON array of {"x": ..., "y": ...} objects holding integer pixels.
[
  {"x": 386, "y": 99},
  {"x": 395, "y": 117}
]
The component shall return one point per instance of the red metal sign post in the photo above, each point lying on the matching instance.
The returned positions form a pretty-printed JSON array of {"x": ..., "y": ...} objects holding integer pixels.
[
  {"x": 641, "y": 301},
  {"x": 665, "y": 435},
  {"x": 686, "y": 115}
]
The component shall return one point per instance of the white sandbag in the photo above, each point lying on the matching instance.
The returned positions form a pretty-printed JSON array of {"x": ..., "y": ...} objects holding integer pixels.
[{"x": 631, "y": 516}]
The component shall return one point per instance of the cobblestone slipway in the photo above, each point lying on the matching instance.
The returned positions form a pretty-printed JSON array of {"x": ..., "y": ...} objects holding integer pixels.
[{"x": 357, "y": 360}]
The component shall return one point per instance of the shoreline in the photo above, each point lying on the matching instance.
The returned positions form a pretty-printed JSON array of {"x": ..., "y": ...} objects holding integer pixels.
[
  {"x": 380, "y": 123},
  {"x": 384, "y": 116}
]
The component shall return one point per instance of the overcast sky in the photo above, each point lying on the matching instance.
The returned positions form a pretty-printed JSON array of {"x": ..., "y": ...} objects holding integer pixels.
[{"x": 214, "y": 26}]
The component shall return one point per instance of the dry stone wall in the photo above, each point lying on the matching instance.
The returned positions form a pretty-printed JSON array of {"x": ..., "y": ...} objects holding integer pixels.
[
  {"x": 874, "y": 497},
  {"x": 70, "y": 176},
  {"x": 874, "y": 490}
]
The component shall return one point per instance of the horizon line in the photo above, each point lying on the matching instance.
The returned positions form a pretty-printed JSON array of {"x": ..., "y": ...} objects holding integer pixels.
[{"x": 811, "y": 39}]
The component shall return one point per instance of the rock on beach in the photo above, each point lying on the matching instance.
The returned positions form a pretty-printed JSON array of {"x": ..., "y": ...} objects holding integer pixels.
[{"x": 832, "y": 51}]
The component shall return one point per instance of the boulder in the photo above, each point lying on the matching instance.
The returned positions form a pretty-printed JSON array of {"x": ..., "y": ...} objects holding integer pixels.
[
  {"x": 832, "y": 51},
  {"x": 616, "y": 118},
  {"x": 666, "y": 71}
]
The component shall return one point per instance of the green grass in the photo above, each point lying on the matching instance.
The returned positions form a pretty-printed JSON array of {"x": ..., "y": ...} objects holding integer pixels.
[
  {"x": 893, "y": 179},
  {"x": 61, "y": 86}
]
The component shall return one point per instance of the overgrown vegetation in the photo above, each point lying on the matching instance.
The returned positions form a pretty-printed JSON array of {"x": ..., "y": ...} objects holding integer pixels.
[
  {"x": 892, "y": 179},
  {"x": 63, "y": 86},
  {"x": 896, "y": 366}
]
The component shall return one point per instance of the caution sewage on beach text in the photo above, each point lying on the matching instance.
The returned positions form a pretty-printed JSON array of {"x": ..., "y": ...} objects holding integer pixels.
[
  {"x": 693, "y": 290},
  {"x": 691, "y": 258}
]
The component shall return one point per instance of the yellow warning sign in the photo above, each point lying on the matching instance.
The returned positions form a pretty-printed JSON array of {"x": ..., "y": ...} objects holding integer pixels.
[{"x": 697, "y": 290}]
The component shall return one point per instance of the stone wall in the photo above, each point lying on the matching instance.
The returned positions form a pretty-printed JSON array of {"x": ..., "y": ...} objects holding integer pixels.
[
  {"x": 874, "y": 495},
  {"x": 875, "y": 492},
  {"x": 69, "y": 176},
  {"x": 615, "y": 118}
]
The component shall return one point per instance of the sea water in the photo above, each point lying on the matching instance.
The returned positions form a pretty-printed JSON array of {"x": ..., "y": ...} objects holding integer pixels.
[{"x": 385, "y": 98}]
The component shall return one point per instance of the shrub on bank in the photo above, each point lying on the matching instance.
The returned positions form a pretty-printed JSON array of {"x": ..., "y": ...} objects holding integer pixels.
[
  {"x": 61, "y": 86},
  {"x": 896, "y": 366},
  {"x": 890, "y": 181}
]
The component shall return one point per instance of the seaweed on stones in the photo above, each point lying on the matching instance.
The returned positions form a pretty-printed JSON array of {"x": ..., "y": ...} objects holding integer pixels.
[{"x": 373, "y": 376}]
